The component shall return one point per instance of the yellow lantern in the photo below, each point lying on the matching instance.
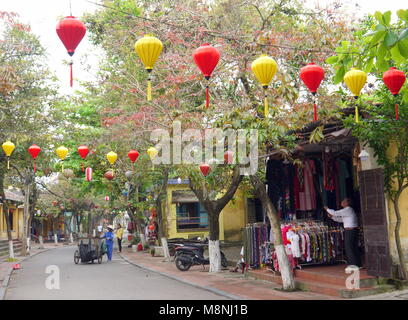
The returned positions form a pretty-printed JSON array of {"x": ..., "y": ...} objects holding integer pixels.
[
  {"x": 264, "y": 69},
  {"x": 355, "y": 80},
  {"x": 148, "y": 49},
  {"x": 62, "y": 153},
  {"x": 112, "y": 157},
  {"x": 8, "y": 148},
  {"x": 152, "y": 152}
]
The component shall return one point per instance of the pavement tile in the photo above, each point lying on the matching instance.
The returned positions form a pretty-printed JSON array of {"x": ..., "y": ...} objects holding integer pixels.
[{"x": 231, "y": 283}]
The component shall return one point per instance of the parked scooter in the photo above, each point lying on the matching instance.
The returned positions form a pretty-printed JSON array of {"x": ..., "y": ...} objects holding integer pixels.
[{"x": 193, "y": 254}]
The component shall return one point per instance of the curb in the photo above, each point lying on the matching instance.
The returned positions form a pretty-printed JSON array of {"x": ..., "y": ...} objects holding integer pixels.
[
  {"x": 6, "y": 280},
  {"x": 216, "y": 291}
]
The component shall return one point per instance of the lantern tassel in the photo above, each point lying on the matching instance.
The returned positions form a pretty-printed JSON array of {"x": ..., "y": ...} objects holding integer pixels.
[
  {"x": 396, "y": 112},
  {"x": 266, "y": 106},
  {"x": 149, "y": 90},
  {"x": 356, "y": 114},
  {"x": 83, "y": 168},
  {"x": 8, "y": 163},
  {"x": 35, "y": 167},
  {"x": 71, "y": 79},
  {"x": 207, "y": 96},
  {"x": 62, "y": 168},
  {"x": 315, "y": 112}
]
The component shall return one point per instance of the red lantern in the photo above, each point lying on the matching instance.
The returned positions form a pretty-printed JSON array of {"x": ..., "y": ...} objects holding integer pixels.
[
  {"x": 394, "y": 80},
  {"x": 205, "y": 169},
  {"x": 133, "y": 155},
  {"x": 70, "y": 30},
  {"x": 228, "y": 156},
  {"x": 108, "y": 175},
  {"x": 34, "y": 150},
  {"x": 151, "y": 227},
  {"x": 206, "y": 58},
  {"x": 106, "y": 198},
  {"x": 312, "y": 75},
  {"x": 83, "y": 152},
  {"x": 88, "y": 174}
]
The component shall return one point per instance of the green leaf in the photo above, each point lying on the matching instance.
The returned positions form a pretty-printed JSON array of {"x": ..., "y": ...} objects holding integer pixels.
[
  {"x": 402, "y": 14},
  {"x": 403, "y": 34},
  {"x": 332, "y": 59},
  {"x": 403, "y": 48},
  {"x": 387, "y": 18},
  {"x": 379, "y": 35},
  {"x": 396, "y": 55},
  {"x": 380, "y": 27},
  {"x": 382, "y": 65},
  {"x": 381, "y": 51},
  {"x": 369, "y": 65},
  {"x": 378, "y": 15},
  {"x": 338, "y": 77},
  {"x": 391, "y": 38}
]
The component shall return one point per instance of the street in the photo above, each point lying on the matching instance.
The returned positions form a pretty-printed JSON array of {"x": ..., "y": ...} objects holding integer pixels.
[{"x": 110, "y": 280}]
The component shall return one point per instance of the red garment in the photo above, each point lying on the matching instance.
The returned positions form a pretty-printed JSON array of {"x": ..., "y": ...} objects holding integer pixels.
[
  {"x": 307, "y": 197},
  {"x": 284, "y": 232}
]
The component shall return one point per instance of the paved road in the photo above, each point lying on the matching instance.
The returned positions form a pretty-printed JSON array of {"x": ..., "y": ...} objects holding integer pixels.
[{"x": 110, "y": 280}]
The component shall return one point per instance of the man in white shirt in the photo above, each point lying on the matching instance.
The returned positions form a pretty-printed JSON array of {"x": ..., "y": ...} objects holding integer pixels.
[{"x": 348, "y": 217}]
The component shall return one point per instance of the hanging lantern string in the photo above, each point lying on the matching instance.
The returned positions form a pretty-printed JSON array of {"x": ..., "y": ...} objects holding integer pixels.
[
  {"x": 396, "y": 108},
  {"x": 71, "y": 77},
  {"x": 356, "y": 109},
  {"x": 314, "y": 106},
  {"x": 207, "y": 92},
  {"x": 266, "y": 105},
  {"x": 35, "y": 167},
  {"x": 149, "y": 85}
]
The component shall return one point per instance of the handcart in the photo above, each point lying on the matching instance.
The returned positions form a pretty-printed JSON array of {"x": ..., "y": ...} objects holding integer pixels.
[{"x": 89, "y": 250}]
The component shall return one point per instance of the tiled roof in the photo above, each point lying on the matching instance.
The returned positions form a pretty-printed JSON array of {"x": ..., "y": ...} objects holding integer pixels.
[{"x": 14, "y": 195}]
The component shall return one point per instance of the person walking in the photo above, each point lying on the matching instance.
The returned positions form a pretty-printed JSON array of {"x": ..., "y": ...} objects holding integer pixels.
[
  {"x": 119, "y": 236},
  {"x": 109, "y": 242},
  {"x": 348, "y": 217}
]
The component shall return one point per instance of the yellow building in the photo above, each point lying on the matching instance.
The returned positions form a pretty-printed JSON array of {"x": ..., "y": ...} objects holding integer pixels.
[
  {"x": 184, "y": 217},
  {"x": 16, "y": 212}
]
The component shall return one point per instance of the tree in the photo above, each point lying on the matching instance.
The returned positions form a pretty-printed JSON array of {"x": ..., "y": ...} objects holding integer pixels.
[
  {"x": 291, "y": 34},
  {"x": 27, "y": 93},
  {"x": 380, "y": 44}
]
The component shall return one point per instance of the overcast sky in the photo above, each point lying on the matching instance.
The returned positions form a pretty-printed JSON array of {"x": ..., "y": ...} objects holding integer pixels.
[{"x": 43, "y": 16}]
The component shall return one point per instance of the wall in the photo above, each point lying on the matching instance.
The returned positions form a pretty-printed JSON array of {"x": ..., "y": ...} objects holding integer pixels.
[
  {"x": 371, "y": 163},
  {"x": 16, "y": 232},
  {"x": 232, "y": 219},
  {"x": 403, "y": 206}
]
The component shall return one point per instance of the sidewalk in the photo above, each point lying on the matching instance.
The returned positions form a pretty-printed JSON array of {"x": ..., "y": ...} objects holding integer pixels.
[
  {"x": 6, "y": 268},
  {"x": 232, "y": 285}
]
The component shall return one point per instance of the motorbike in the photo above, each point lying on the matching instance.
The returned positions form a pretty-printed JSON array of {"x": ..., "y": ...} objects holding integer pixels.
[{"x": 190, "y": 255}]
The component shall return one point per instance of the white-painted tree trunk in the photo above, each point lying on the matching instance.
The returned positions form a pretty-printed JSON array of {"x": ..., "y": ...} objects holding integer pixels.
[
  {"x": 40, "y": 238},
  {"x": 286, "y": 273},
  {"x": 71, "y": 238},
  {"x": 28, "y": 245},
  {"x": 94, "y": 233},
  {"x": 214, "y": 253},
  {"x": 165, "y": 249},
  {"x": 142, "y": 239},
  {"x": 56, "y": 239},
  {"x": 11, "y": 250}
]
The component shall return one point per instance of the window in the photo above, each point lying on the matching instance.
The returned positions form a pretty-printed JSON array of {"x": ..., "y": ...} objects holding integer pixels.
[{"x": 191, "y": 216}]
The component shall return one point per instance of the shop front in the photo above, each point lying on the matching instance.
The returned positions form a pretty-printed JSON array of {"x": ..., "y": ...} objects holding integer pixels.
[{"x": 322, "y": 175}]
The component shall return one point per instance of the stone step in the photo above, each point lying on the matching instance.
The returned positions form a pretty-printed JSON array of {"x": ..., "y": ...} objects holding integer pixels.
[
  {"x": 335, "y": 278},
  {"x": 316, "y": 286}
]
